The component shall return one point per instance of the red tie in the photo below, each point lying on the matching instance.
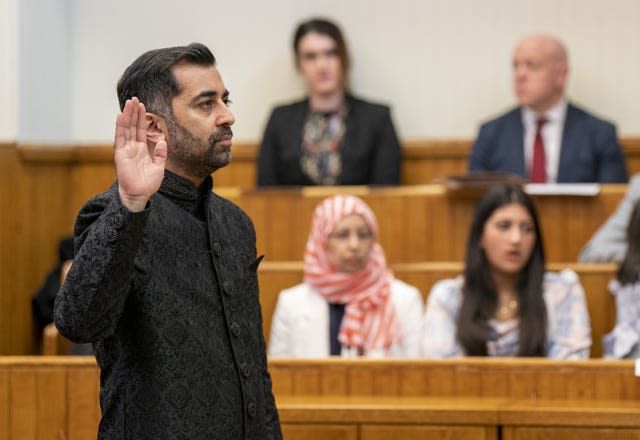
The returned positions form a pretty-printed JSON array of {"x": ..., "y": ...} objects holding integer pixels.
[{"x": 538, "y": 172}]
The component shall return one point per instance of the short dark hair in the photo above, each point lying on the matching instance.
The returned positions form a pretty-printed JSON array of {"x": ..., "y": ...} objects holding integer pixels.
[
  {"x": 629, "y": 269},
  {"x": 480, "y": 298},
  {"x": 150, "y": 77},
  {"x": 326, "y": 27}
]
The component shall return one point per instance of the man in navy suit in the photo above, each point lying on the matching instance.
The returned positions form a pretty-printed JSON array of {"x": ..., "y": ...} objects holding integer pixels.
[{"x": 577, "y": 146}]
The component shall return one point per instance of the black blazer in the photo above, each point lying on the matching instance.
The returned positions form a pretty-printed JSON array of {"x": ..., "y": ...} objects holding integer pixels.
[
  {"x": 369, "y": 150},
  {"x": 589, "y": 152}
]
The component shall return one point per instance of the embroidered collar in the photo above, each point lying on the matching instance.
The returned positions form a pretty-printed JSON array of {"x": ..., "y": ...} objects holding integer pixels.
[
  {"x": 178, "y": 187},
  {"x": 185, "y": 194}
]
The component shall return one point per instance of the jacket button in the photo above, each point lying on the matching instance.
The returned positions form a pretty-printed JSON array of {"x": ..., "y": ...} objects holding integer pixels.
[
  {"x": 244, "y": 369},
  {"x": 252, "y": 410},
  {"x": 227, "y": 287},
  {"x": 117, "y": 221},
  {"x": 112, "y": 235},
  {"x": 217, "y": 249},
  {"x": 235, "y": 328}
]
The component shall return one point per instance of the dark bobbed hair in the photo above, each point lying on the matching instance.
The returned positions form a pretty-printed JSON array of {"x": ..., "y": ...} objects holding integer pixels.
[
  {"x": 150, "y": 77},
  {"x": 480, "y": 298},
  {"x": 325, "y": 27},
  {"x": 629, "y": 269}
]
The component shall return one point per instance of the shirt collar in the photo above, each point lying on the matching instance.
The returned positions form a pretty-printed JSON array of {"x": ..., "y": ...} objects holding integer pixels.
[{"x": 554, "y": 114}]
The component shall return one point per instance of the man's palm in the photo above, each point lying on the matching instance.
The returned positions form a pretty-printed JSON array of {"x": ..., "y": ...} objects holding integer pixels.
[{"x": 139, "y": 174}]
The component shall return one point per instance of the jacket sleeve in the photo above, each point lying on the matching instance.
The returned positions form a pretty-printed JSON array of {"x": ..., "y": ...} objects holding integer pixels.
[
  {"x": 411, "y": 317},
  {"x": 279, "y": 338},
  {"x": 271, "y": 419},
  {"x": 612, "y": 167},
  {"x": 439, "y": 333},
  {"x": 609, "y": 243},
  {"x": 571, "y": 334},
  {"x": 388, "y": 155},
  {"x": 107, "y": 237},
  {"x": 479, "y": 150},
  {"x": 267, "y": 155}
]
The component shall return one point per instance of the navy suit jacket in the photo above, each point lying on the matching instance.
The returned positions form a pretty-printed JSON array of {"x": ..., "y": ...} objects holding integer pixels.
[
  {"x": 590, "y": 151},
  {"x": 370, "y": 151}
]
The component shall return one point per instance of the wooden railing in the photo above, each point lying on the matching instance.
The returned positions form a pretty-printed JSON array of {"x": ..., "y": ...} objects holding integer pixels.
[
  {"x": 417, "y": 223},
  {"x": 513, "y": 399}
]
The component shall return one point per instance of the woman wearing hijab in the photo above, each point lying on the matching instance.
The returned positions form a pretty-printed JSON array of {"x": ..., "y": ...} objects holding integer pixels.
[{"x": 349, "y": 304}]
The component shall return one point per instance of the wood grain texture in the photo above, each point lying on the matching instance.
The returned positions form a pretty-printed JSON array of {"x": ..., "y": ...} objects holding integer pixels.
[
  {"x": 421, "y": 432},
  {"x": 418, "y": 223},
  {"x": 57, "y": 398},
  {"x": 310, "y": 431}
]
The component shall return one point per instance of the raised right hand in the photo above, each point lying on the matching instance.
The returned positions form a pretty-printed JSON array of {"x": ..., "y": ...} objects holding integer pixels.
[{"x": 139, "y": 173}]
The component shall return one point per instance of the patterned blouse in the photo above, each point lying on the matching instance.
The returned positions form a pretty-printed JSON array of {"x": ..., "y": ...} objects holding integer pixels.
[
  {"x": 624, "y": 340},
  {"x": 568, "y": 328}
]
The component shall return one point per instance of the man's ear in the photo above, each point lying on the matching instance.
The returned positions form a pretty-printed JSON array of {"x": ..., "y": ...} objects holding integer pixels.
[{"x": 156, "y": 128}]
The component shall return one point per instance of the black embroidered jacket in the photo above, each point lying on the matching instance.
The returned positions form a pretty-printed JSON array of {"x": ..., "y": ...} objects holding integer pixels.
[{"x": 169, "y": 298}]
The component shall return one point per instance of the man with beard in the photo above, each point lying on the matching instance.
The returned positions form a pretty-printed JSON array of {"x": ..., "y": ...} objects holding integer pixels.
[{"x": 164, "y": 279}]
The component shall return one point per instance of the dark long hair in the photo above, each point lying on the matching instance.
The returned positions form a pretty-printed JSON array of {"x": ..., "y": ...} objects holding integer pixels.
[
  {"x": 480, "y": 298},
  {"x": 325, "y": 27},
  {"x": 629, "y": 269}
]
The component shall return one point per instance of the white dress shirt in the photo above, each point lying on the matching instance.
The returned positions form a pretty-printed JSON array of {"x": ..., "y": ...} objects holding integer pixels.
[{"x": 551, "y": 136}]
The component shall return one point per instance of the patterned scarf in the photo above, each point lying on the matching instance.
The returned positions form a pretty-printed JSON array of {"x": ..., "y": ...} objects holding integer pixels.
[
  {"x": 321, "y": 138},
  {"x": 370, "y": 320}
]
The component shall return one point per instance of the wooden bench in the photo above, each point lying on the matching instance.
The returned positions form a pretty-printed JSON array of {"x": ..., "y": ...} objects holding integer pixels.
[
  {"x": 463, "y": 399},
  {"x": 509, "y": 399}
]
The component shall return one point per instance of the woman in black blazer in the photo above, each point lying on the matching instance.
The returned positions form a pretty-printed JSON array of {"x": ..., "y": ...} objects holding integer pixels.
[{"x": 330, "y": 137}]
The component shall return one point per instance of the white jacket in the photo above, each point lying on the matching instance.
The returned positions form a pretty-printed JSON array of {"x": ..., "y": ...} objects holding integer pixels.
[{"x": 300, "y": 323}]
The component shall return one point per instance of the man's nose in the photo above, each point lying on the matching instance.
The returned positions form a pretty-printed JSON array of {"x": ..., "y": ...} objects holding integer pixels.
[{"x": 226, "y": 117}]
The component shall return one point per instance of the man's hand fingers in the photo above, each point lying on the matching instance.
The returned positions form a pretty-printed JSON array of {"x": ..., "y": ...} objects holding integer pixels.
[
  {"x": 122, "y": 125},
  {"x": 133, "y": 119},
  {"x": 141, "y": 132}
]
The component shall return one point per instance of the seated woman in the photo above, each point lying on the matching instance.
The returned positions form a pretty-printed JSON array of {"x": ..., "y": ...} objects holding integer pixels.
[
  {"x": 506, "y": 305},
  {"x": 330, "y": 137},
  {"x": 624, "y": 340},
  {"x": 349, "y": 304}
]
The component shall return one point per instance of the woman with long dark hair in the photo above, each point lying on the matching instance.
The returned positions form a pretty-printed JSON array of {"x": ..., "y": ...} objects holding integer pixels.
[
  {"x": 330, "y": 137},
  {"x": 624, "y": 340},
  {"x": 506, "y": 304}
]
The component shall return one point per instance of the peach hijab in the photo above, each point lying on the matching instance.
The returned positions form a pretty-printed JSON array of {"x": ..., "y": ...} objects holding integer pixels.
[{"x": 370, "y": 320}]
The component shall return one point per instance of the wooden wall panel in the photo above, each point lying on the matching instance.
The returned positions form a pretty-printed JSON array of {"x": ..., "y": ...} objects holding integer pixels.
[
  {"x": 44, "y": 398},
  {"x": 418, "y": 223},
  {"x": 16, "y": 334},
  {"x": 83, "y": 408},
  {"x": 57, "y": 398},
  {"x": 5, "y": 404},
  {"x": 23, "y": 423},
  {"x": 395, "y": 432},
  {"x": 516, "y": 378},
  {"x": 537, "y": 433},
  {"x": 291, "y": 431}
]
